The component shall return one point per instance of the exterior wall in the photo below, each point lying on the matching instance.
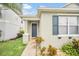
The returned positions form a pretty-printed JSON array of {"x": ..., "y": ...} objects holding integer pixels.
[
  {"x": 23, "y": 25},
  {"x": 29, "y": 28},
  {"x": 11, "y": 22},
  {"x": 11, "y": 31},
  {"x": 2, "y": 28},
  {"x": 45, "y": 28},
  {"x": 46, "y": 31}
]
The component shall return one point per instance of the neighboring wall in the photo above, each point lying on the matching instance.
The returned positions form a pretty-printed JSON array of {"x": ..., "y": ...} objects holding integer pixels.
[
  {"x": 46, "y": 29},
  {"x": 2, "y": 28},
  {"x": 12, "y": 23}
]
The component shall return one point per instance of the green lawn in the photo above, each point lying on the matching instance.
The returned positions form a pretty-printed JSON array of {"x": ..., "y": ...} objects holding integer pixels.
[{"x": 12, "y": 47}]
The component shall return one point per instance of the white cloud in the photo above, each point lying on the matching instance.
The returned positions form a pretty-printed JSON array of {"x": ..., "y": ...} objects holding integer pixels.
[
  {"x": 27, "y": 6},
  {"x": 26, "y": 12},
  {"x": 43, "y": 6}
]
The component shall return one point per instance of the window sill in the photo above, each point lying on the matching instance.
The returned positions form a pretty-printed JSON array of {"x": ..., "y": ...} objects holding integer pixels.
[{"x": 68, "y": 35}]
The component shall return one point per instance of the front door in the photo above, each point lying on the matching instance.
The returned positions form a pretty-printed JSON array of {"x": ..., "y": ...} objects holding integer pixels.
[{"x": 34, "y": 29}]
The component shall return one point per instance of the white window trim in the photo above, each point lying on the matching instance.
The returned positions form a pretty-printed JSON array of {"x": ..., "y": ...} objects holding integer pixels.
[
  {"x": 68, "y": 30},
  {"x": 68, "y": 27},
  {"x": 68, "y": 35}
]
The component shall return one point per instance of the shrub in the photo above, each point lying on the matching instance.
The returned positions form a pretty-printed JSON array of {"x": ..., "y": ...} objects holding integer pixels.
[
  {"x": 38, "y": 40},
  {"x": 22, "y": 31},
  {"x": 20, "y": 34},
  {"x": 76, "y": 45},
  {"x": 43, "y": 50},
  {"x": 51, "y": 51},
  {"x": 72, "y": 48},
  {"x": 48, "y": 51},
  {"x": 69, "y": 50}
]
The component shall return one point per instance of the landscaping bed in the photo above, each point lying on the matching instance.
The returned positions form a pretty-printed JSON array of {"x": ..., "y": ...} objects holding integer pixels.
[
  {"x": 72, "y": 48},
  {"x": 12, "y": 47}
]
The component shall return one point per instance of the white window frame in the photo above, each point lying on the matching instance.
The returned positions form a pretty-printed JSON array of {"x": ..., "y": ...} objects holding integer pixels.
[{"x": 68, "y": 27}]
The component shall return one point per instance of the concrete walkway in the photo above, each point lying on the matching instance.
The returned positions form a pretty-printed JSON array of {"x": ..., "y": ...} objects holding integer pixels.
[
  {"x": 30, "y": 50},
  {"x": 60, "y": 53}
]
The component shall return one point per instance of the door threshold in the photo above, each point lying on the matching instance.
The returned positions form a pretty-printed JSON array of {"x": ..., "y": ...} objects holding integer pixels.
[{"x": 33, "y": 37}]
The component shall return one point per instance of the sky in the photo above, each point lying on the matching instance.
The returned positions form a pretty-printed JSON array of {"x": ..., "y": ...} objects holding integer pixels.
[{"x": 31, "y": 8}]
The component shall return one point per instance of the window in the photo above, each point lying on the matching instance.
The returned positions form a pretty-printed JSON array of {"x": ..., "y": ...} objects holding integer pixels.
[
  {"x": 77, "y": 24},
  {"x": 72, "y": 29},
  {"x": 55, "y": 25},
  {"x": 63, "y": 30},
  {"x": 65, "y": 25},
  {"x": 72, "y": 24}
]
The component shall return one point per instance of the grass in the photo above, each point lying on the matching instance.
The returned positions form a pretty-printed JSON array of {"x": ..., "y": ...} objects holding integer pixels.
[{"x": 12, "y": 47}]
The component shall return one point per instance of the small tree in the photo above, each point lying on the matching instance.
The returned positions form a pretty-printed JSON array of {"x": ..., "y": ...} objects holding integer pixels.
[{"x": 38, "y": 40}]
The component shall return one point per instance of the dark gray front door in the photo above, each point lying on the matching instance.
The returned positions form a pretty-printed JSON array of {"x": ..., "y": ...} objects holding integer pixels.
[{"x": 34, "y": 29}]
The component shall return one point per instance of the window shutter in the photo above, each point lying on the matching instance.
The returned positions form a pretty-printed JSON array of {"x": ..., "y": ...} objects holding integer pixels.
[
  {"x": 0, "y": 13},
  {"x": 55, "y": 25}
]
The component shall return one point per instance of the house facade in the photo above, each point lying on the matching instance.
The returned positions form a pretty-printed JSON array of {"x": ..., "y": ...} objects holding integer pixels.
[
  {"x": 56, "y": 26},
  {"x": 10, "y": 23}
]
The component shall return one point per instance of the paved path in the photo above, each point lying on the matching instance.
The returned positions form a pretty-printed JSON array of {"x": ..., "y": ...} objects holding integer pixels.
[
  {"x": 30, "y": 50},
  {"x": 60, "y": 53}
]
